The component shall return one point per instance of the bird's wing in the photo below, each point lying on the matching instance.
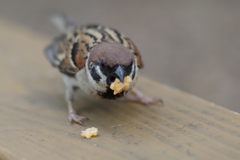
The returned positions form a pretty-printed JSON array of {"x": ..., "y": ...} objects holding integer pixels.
[
  {"x": 136, "y": 52},
  {"x": 70, "y": 51},
  {"x": 58, "y": 54}
]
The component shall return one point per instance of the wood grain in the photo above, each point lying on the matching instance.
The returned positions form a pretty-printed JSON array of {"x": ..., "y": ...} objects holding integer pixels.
[{"x": 33, "y": 115}]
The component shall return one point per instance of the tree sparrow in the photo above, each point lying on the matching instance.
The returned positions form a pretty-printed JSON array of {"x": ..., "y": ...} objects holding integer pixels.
[{"x": 97, "y": 59}]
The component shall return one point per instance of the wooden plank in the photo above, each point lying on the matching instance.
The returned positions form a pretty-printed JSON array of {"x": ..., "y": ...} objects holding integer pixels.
[{"x": 33, "y": 115}]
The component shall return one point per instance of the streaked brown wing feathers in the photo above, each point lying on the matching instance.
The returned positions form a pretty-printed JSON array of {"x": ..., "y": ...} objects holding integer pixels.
[{"x": 132, "y": 46}]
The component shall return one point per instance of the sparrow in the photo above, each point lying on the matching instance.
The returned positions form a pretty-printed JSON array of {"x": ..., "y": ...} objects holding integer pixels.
[{"x": 98, "y": 60}]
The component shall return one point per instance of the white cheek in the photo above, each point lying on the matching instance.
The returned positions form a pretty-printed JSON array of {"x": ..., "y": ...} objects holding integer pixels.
[
  {"x": 101, "y": 86},
  {"x": 132, "y": 71},
  {"x": 103, "y": 79},
  {"x": 135, "y": 77}
]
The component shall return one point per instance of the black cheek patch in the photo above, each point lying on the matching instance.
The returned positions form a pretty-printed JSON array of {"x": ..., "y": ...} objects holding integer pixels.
[
  {"x": 95, "y": 76},
  {"x": 128, "y": 69}
]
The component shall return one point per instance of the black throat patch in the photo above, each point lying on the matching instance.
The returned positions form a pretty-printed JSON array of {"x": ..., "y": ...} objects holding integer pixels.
[{"x": 109, "y": 94}]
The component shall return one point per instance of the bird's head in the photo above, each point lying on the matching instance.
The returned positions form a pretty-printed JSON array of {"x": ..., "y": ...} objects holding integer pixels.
[{"x": 107, "y": 63}]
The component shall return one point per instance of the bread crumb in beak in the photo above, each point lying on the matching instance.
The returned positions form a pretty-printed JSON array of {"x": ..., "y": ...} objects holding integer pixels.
[{"x": 117, "y": 86}]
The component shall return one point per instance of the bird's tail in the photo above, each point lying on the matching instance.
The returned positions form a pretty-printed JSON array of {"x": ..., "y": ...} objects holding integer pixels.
[{"x": 63, "y": 23}]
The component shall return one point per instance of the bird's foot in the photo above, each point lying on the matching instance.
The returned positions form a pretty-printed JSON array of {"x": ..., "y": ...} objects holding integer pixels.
[
  {"x": 149, "y": 100},
  {"x": 74, "y": 118},
  {"x": 137, "y": 96}
]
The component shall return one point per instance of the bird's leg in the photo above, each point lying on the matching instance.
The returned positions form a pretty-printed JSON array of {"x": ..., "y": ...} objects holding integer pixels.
[
  {"x": 137, "y": 96},
  {"x": 72, "y": 115}
]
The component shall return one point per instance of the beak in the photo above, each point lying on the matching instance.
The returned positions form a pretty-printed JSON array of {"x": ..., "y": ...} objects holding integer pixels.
[{"x": 119, "y": 73}]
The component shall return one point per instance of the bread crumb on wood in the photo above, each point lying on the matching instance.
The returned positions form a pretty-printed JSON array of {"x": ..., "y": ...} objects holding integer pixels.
[{"x": 90, "y": 132}]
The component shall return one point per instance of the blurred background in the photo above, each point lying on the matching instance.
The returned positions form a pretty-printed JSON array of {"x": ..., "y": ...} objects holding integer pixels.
[{"x": 190, "y": 45}]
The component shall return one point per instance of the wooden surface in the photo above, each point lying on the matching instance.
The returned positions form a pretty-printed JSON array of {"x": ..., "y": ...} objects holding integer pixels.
[{"x": 33, "y": 115}]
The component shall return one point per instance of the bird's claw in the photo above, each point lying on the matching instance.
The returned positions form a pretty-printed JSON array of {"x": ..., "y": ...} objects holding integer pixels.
[
  {"x": 139, "y": 97},
  {"x": 74, "y": 118},
  {"x": 149, "y": 100}
]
